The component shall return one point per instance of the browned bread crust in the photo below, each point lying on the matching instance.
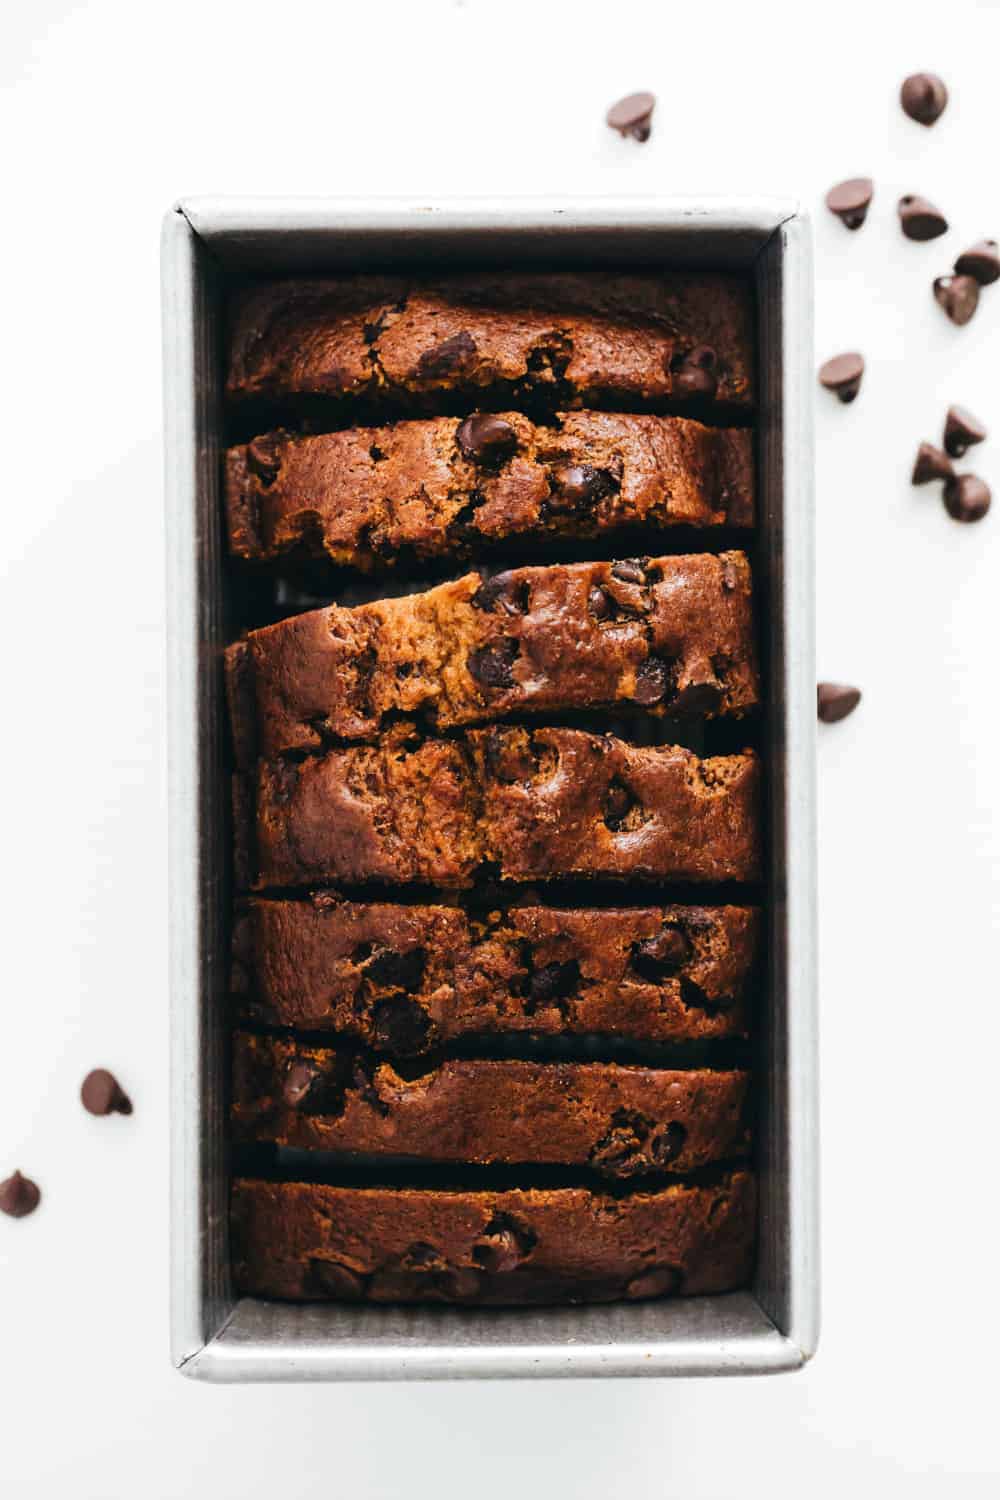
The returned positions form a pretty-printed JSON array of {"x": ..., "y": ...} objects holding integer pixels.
[
  {"x": 582, "y": 339},
  {"x": 303, "y": 1242},
  {"x": 618, "y": 1120},
  {"x": 405, "y": 979},
  {"x": 539, "y": 803},
  {"x": 669, "y": 634},
  {"x": 362, "y": 496}
]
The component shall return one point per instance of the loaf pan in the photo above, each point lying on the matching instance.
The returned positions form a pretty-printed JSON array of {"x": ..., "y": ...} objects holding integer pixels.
[{"x": 217, "y": 1335}]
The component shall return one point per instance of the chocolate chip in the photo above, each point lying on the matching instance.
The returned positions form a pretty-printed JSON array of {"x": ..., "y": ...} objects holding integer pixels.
[
  {"x": 652, "y": 682},
  {"x": 657, "y": 958},
  {"x": 554, "y": 981},
  {"x": 504, "y": 594},
  {"x": 102, "y": 1094},
  {"x": 658, "y": 1281},
  {"x": 850, "y": 200},
  {"x": 448, "y": 357},
  {"x": 842, "y": 374},
  {"x": 920, "y": 220},
  {"x": 694, "y": 373},
  {"x": 958, "y": 295},
  {"x": 967, "y": 498},
  {"x": 577, "y": 485},
  {"x": 630, "y": 570},
  {"x": 264, "y": 456},
  {"x": 509, "y": 757},
  {"x": 961, "y": 431},
  {"x": 392, "y": 969},
  {"x": 633, "y": 116},
  {"x": 669, "y": 1144},
  {"x": 400, "y": 1026},
  {"x": 504, "y": 1244},
  {"x": 599, "y": 603},
  {"x": 618, "y": 803},
  {"x": 923, "y": 97},
  {"x": 492, "y": 666},
  {"x": 834, "y": 701},
  {"x": 486, "y": 439},
  {"x": 982, "y": 262},
  {"x": 328, "y": 1278},
  {"x": 701, "y": 698},
  {"x": 930, "y": 463},
  {"x": 298, "y": 1083},
  {"x": 19, "y": 1196}
]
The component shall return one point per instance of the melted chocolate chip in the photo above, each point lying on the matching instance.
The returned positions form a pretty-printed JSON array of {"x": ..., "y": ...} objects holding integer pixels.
[
  {"x": 657, "y": 1281},
  {"x": 695, "y": 373},
  {"x": 329, "y": 1278},
  {"x": 630, "y": 570},
  {"x": 392, "y": 969},
  {"x": 669, "y": 1144},
  {"x": 618, "y": 803},
  {"x": 599, "y": 604},
  {"x": 503, "y": 594},
  {"x": 298, "y": 1083},
  {"x": 504, "y": 1244},
  {"x": 575, "y": 486},
  {"x": 264, "y": 456},
  {"x": 493, "y": 666},
  {"x": 400, "y": 1026},
  {"x": 657, "y": 958},
  {"x": 555, "y": 981},
  {"x": 652, "y": 682},
  {"x": 486, "y": 439},
  {"x": 447, "y": 358},
  {"x": 702, "y": 698}
]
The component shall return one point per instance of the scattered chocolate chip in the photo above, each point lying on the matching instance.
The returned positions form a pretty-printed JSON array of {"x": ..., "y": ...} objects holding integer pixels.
[
  {"x": 842, "y": 374},
  {"x": 835, "y": 701},
  {"x": 982, "y": 262},
  {"x": 19, "y": 1196},
  {"x": 961, "y": 431},
  {"x": 695, "y": 373},
  {"x": 102, "y": 1094},
  {"x": 701, "y": 698},
  {"x": 400, "y": 1026},
  {"x": 850, "y": 200},
  {"x": 618, "y": 803},
  {"x": 669, "y": 1144},
  {"x": 577, "y": 485},
  {"x": 930, "y": 463},
  {"x": 920, "y": 220},
  {"x": 658, "y": 1281},
  {"x": 923, "y": 97},
  {"x": 554, "y": 981},
  {"x": 599, "y": 603},
  {"x": 263, "y": 456},
  {"x": 657, "y": 958},
  {"x": 958, "y": 295},
  {"x": 298, "y": 1083},
  {"x": 448, "y": 357},
  {"x": 328, "y": 1278},
  {"x": 652, "y": 682},
  {"x": 633, "y": 116},
  {"x": 967, "y": 497},
  {"x": 486, "y": 439},
  {"x": 493, "y": 666},
  {"x": 502, "y": 594},
  {"x": 629, "y": 570},
  {"x": 392, "y": 969}
]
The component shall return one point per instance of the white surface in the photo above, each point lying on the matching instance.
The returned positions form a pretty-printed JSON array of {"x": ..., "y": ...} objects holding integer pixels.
[{"x": 108, "y": 112}]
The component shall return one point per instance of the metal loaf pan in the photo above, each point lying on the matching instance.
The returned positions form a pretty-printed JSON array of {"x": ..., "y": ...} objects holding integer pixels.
[{"x": 217, "y": 1336}]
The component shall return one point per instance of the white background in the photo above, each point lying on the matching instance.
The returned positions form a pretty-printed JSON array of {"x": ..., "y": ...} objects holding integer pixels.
[{"x": 107, "y": 113}]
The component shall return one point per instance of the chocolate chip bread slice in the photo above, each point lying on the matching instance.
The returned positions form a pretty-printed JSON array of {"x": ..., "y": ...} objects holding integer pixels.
[
  {"x": 668, "y": 634},
  {"x": 304, "y": 1241},
  {"x": 592, "y": 338},
  {"x": 446, "y": 486},
  {"x": 537, "y": 803},
  {"x": 618, "y": 1120},
  {"x": 405, "y": 979}
]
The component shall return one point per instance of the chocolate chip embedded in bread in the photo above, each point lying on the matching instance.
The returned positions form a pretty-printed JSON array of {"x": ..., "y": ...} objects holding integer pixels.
[
  {"x": 967, "y": 497},
  {"x": 504, "y": 594},
  {"x": 329, "y": 1278},
  {"x": 449, "y": 357},
  {"x": 923, "y": 97},
  {"x": 850, "y": 200},
  {"x": 101, "y": 1094},
  {"x": 982, "y": 262},
  {"x": 694, "y": 698},
  {"x": 961, "y": 431},
  {"x": 668, "y": 1144},
  {"x": 842, "y": 375},
  {"x": 392, "y": 969},
  {"x": 930, "y": 463},
  {"x": 919, "y": 219},
  {"x": 633, "y": 116},
  {"x": 486, "y": 439},
  {"x": 834, "y": 701},
  {"x": 657, "y": 958},
  {"x": 629, "y": 570},
  {"x": 695, "y": 373},
  {"x": 958, "y": 296},
  {"x": 504, "y": 1244},
  {"x": 658, "y": 1281},
  {"x": 599, "y": 603},
  {"x": 652, "y": 682},
  {"x": 577, "y": 485},
  {"x": 493, "y": 666},
  {"x": 555, "y": 981},
  {"x": 400, "y": 1026},
  {"x": 299, "y": 1082},
  {"x": 264, "y": 456},
  {"x": 19, "y": 1196}
]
